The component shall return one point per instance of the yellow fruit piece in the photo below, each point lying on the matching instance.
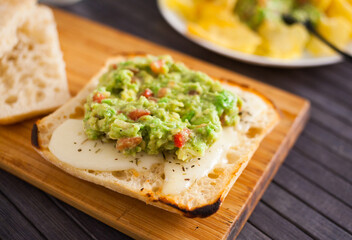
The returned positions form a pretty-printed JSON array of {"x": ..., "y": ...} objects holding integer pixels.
[
  {"x": 195, "y": 10},
  {"x": 214, "y": 20},
  {"x": 335, "y": 29},
  {"x": 239, "y": 37},
  {"x": 341, "y": 8},
  {"x": 185, "y": 8},
  {"x": 214, "y": 14},
  {"x": 322, "y": 4},
  {"x": 282, "y": 41}
]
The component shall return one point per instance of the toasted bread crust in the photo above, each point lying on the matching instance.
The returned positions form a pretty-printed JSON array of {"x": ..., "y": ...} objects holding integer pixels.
[
  {"x": 202, "y": 212},
  {"x": 149, "y": 197},
  {"x": 34, "y": 136}
]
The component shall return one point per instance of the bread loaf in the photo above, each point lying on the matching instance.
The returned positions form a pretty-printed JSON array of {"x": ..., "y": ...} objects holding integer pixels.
[
  {"x": 13, "y": 13},
  {"x": 32, "y": 73}
]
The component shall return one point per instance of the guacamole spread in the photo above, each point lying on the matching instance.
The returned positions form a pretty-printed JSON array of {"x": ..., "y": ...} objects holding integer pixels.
[{"x": 156, "y": 105}]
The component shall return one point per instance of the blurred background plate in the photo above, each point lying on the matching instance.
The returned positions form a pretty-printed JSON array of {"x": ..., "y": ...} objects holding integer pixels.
[{"x": 307, "y": 60}]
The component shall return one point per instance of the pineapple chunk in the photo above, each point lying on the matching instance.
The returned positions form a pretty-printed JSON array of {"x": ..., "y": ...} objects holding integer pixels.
[
  {"x": 335, "y": 29},
  {"x": 281, "y": 41},
  {"x": 341, "y": 8},
  {"x": 194, "y": 10},
  {"x": 238, "y": 37},
  {"x": 218, "y": 24},
  {"x": 322, "y": 4},
  {"x": 185, "y": 8}
]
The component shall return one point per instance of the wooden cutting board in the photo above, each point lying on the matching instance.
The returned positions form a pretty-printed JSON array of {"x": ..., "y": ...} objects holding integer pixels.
[{"x": 86, "y": 45}]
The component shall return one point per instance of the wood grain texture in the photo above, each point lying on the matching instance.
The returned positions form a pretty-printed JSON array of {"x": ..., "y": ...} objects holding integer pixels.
[
  {"x": 54, "y": 221},
  {"x": 272, "y": 224},
  {"x": 84, "y": 55},
  {"x": 15, "y": 220},
  {"x": 325, "y": 204},
  {"x": 249, "y": 232},
  {"x": 302, "y": 215}
]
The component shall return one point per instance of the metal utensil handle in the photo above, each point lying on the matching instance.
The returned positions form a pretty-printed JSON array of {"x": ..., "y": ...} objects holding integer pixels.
[{"x": 308, "y": 24}]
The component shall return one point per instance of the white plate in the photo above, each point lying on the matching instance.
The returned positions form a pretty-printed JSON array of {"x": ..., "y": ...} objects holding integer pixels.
[{"x": 307, "y": 60}]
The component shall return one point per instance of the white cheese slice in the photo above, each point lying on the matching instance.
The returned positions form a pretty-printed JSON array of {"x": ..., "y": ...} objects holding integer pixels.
[
  {"x": 180, "y": 175},
  {"x": 70, "y": 145}
]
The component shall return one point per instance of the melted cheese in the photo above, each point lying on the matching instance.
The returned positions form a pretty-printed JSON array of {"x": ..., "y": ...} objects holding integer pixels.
[
  {"x": 180, "y": 175},
  {"x": 70, "y": 145}
]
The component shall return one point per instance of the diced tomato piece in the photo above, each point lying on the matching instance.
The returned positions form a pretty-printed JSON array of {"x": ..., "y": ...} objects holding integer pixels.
[
  {"x": 158, "y": 66},
  {"x": 98, "y": 97},
  {"x": 182, "y": 137},
  {"x": 147, "y": 93},
  {"x": 162, "y": 92},
  {"x": 125, "y": 143},
  {"x": 136, "y": 114},
  {"x": 262, "y": 3}
]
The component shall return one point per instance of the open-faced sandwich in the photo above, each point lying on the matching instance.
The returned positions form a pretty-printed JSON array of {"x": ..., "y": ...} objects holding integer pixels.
[{"x": 151, "y": 128}]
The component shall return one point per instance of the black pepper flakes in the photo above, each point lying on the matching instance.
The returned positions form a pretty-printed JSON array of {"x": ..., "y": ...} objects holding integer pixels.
[
  {"x": 192, "y": 166},
  {"x": 187, "y": 179},
  {"x": 79, "y": 150}
]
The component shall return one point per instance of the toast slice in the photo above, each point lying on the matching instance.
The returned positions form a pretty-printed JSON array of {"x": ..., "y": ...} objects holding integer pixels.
[
  {"x": 32, "y": 74},
  {"x": 205, "y": 195},
  {"x": 13, "y": 13}
]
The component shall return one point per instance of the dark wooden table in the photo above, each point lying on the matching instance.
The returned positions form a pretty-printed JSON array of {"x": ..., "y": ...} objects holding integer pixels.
[{"x": 311, "y": 195}]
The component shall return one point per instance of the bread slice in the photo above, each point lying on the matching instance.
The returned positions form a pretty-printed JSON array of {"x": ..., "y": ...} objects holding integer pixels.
[
  {"x": 13, "y": 13},
  {"x": 206, "y": 194},
  {"x": 32, "y": 74}
]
